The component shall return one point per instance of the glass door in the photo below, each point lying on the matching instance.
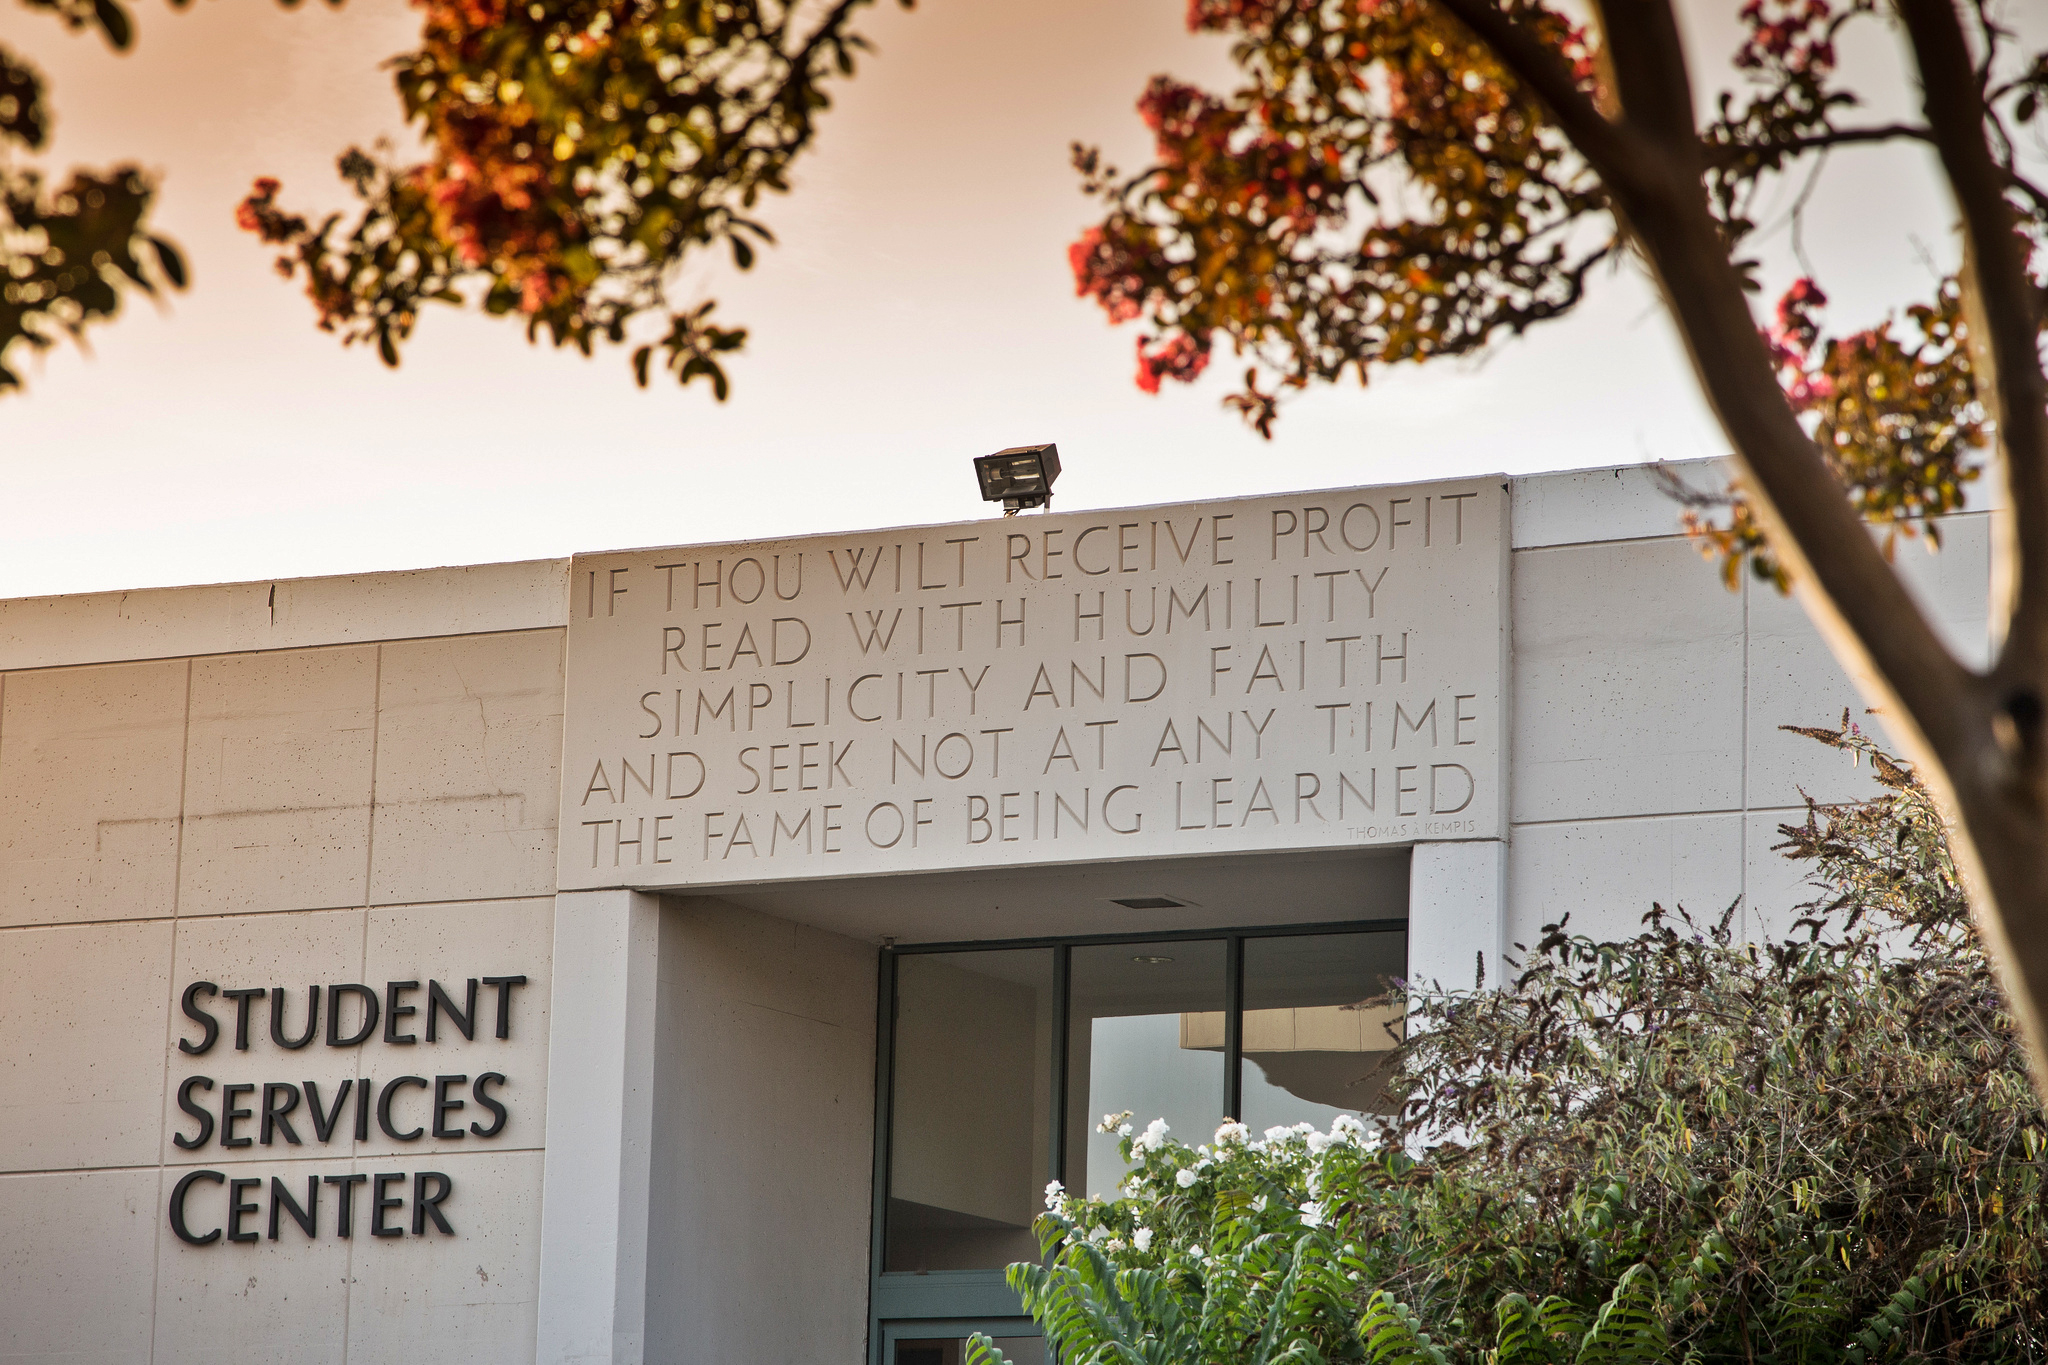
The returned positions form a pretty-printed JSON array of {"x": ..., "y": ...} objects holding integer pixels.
[
  {"x": 1000, "y": 1061},
  {"x": 1139, "y": 1039},
  {"x": 970, "y": 1119}
]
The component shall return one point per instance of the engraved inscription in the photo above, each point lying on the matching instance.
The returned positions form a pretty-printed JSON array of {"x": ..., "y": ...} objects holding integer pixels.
[{"x": 1310, "y": 671}]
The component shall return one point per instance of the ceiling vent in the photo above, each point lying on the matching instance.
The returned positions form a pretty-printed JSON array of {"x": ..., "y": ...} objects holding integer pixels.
[{"x": 1149, "y": 902}]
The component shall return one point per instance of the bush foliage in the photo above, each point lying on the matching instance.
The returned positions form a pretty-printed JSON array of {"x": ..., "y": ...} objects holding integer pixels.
[{"x": 1815, "y": 1148}]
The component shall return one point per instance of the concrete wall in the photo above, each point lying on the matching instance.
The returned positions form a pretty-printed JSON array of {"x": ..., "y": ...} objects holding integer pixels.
[
  {"x": 1646, "y": 760},
  {"x": 763, "y": 1140},
  {"x": 363, "y": 813},
  {"x": 356, "y": 780}
]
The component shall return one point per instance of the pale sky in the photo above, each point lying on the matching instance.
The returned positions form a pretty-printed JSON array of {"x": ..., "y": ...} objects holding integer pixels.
[{"x": 919, "y": 312}]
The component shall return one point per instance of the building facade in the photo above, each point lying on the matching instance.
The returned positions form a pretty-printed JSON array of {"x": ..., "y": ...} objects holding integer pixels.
[{"x": 708, "y": 953}]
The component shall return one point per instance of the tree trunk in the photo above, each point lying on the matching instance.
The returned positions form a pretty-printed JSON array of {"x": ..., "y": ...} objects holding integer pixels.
[
  {"x": 1979, "y": 740},
  {"x": 2000, "y": 838}
]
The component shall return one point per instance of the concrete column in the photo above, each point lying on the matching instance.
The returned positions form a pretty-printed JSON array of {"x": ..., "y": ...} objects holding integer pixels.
[
  {"x": 593, "y": 1235},
  {"x": 1457, "y": 912}
]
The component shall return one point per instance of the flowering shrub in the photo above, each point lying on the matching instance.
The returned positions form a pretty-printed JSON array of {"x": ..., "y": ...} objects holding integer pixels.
[
  {"x": 1817, "y": 1150},
  {"x": 1210, "y": 1248}
]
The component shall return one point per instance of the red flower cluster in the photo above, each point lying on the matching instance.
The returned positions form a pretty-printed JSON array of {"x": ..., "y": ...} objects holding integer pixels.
[
  {"x": 489, "y": 189},
  {"x": 1227, "y": 155},
  {"x": 1215, "y": 16},
  {"x": 1792, "y": 341},
  {"x": 1104, "y": 270},
  {"x": 1789, "y": 35},
  {"x": 1262, "y": 219},
  {"x": 259, "y": 214},
  {"x": 1180, "y": 115},
  {"x": 1181, "y": 357},
  {"x": 461, "y": 18},
  {"x": 1577, "y": 48}
]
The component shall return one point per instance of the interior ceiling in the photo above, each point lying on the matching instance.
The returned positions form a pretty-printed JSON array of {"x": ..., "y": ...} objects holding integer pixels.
[{"x": 1031, "y": 902}]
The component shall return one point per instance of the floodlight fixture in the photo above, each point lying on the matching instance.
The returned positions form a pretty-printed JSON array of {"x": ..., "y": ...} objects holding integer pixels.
[{"x": 1019, "y": 477}]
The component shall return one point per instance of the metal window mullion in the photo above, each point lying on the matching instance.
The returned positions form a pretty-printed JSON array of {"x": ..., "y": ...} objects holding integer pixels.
[
  {"x": 885, "y": 1084},
  {"x": 1233, "y": 1027},
  {"x": 1056, "y": 1143},
  {"x": 992, "y": 945}
]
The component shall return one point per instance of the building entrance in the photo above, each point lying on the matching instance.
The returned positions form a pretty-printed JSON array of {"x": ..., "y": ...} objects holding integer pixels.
[{"x": 1002, "y": 1062}]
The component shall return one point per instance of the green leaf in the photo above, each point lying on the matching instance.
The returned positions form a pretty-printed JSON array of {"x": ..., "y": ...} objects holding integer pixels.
[
  {"x": 1888, "y": 1322},
  {"x": 1393, "y": 1335},
  {"x": 1562, "y": 1321},
  {"x": 583, "y": 267},
  {"x": 114, "y": 21},
  {"x": 23, "y": 117},
  {"x": 982, "y": 1351},
  {"x": 173, "y": 264},
  {"x": 1521, "y": 1340},
  {"x": 1627, "y": 1330}
]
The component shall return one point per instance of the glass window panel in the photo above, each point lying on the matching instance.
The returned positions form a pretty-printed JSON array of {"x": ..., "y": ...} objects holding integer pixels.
[
  {"x": 1145, "y": 1033},
  {"x": 1313, "y": 1045},
  {"x": 971, "y": 1113},
  {"x": 953, "y": 1350}
]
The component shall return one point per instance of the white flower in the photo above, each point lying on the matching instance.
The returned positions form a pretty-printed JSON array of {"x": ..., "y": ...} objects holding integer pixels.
[
  {"x": 1110, "y": 1124},
  {"x": 1055, "y": 1194},
  {"x": 1113, "y": 1244},
  {"x": 1312, "y": 1214},
  {"x": 1279, "y": 1132},
  {"x": 1155, "y": 1135},
  {"x": 1232, "y": 1132},
  {"x": 1184, "y": 1177},
  {"x": 1123, "y": 1130},
  {"x": 1259, "y": 1204},
  {"x": 1142, "y": 1239},
  {"x": 1196, "y": 1251},
  {"x": 1319, "y": 1143}
]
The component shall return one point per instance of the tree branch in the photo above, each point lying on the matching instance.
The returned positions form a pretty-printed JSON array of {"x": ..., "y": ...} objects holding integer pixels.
[
  {"x": 1726, "y": 153},
  {"x": 1647, "y": 58},
  {"x": 1611, "y": 149},
  {"x": 1650, "y": 162},
  {"x": 1853, "y": 593},
  {"x": 2028, "y": 189},
  {"x": 2018, "y": 396}
]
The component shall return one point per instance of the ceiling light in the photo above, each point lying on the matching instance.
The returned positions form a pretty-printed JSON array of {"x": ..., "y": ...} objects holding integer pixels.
[{"x": 1151, "y": 961}]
